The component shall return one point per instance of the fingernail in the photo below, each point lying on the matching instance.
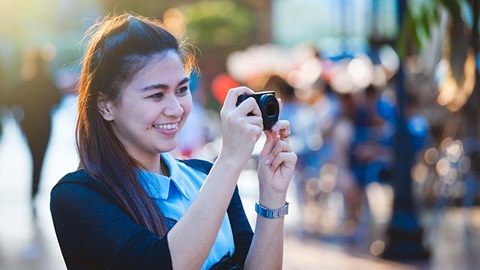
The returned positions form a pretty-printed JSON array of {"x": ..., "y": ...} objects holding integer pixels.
[
  {"x": 267, "y": 161},
  {"x": 274, "y": 128}
]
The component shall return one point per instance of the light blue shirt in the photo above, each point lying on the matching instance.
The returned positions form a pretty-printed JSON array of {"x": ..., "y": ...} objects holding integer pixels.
[{"x": 175, "y": 194}]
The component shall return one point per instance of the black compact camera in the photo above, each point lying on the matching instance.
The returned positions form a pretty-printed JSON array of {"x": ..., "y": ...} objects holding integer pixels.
[{"x": 268, "y": 106}]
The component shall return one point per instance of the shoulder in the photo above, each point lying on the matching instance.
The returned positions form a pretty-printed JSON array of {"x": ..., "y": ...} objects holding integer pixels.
[
  {"x": 80, "y": 177},
  {"x": 80, "y": 196},
  {"x": 198, "y": 164},
  {"x": 78, "y": 184}
]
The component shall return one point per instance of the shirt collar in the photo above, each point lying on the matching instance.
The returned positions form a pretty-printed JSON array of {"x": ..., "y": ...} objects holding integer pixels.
[{"x": 157, "y": 186}]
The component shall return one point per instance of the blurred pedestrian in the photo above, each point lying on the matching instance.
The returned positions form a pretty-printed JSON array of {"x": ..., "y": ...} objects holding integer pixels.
[
  {"x": 3, "y": 98},
  {"x": 327, "y": 111},
  {"x": 36, "y": 95},
  {"x": 372, "y": 148},
  {"x": 343, "y": 132},
  {"x": 131, "y": 204},
  {"x": 371, "y": 151}
]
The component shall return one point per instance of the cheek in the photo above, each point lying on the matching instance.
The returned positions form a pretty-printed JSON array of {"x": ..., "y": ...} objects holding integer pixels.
[
  {"x": 187, "y": 105},
  {"x": 188, "y": 108},
  {"x": 142, "y": 115}
]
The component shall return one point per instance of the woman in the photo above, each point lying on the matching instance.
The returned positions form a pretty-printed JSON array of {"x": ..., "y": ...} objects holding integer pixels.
[{"x": 131, "y": 204}]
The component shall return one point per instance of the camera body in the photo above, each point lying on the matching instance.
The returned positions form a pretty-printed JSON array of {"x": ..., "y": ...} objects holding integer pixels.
[{"x": 268, "y": 106}]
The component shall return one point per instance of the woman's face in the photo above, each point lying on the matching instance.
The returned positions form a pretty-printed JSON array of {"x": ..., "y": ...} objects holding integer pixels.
[{"x": 152, "y": 109}]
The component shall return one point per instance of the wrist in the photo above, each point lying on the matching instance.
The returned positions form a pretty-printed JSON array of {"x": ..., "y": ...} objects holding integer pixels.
[
  {"x": 272, "y": 200},
  {"x": 229, "y": 163}
]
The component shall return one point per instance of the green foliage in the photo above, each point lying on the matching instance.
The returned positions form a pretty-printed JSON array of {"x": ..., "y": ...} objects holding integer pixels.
[
  {"x": 420, "y": 18},
  {"x": 453, "y": 6},
  {"x": 213, "y": 24}
]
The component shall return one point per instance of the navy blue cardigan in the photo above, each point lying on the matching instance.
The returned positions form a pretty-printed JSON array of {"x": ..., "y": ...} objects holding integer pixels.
[{"x": 94, "y": 232}]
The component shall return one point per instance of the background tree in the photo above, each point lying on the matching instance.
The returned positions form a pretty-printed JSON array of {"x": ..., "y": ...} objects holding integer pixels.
[
  {"x": 450, "y": 28},
  {"x": 457, "y": 92}
]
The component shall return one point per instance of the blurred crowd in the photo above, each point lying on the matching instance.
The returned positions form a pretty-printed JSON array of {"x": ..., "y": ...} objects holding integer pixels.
[{"x": 343, "y": 117}]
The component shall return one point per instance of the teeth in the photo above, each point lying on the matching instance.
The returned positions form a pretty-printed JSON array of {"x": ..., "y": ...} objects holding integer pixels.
[{"x": 166, "y": 126}]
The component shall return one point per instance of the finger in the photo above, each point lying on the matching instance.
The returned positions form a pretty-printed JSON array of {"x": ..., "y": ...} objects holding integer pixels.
[
  {"x": 269, "y": 143},
  {"x": 281, "y": 124},
  {"x": 284, "y": 158},
  {"x": 280, "y": 104},
  {"x": 256, "y": 109},
  {"x": 270, "y": 134},
  {"x": 232, "y": 95},
  {"x": 249, "y": 106},
  {"x": 283, "y": 129},
  {"x": 284, "y": 134},
  {"x": 281, "y": 146},
  {"x": 278, "y": 147},
  {"x": 256, "y": 121}
]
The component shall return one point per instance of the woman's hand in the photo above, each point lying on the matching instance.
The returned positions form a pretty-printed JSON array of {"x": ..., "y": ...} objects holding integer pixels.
[
  {"x": 276, "y": 165},
  {"x": 240, "y": 131}
]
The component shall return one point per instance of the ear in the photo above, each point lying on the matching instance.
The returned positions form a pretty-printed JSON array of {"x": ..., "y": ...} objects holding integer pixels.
[{"x": 105, "y": 107}]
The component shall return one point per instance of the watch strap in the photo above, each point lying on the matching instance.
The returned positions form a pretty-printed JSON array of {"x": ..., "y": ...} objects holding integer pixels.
[{"x": 271, "y": 213}]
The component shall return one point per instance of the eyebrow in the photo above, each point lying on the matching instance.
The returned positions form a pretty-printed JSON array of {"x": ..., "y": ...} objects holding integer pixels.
[{"x": 163, "y": 86}]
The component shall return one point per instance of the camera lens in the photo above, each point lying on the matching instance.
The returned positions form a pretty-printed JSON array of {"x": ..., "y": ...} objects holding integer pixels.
[
  {"x": 270, "y": 110},
  {"x": 269, "y": 104}
]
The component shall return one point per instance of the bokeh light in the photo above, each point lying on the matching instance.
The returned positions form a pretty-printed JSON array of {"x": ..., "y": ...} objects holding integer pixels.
[{"x": 377, "y": 247}]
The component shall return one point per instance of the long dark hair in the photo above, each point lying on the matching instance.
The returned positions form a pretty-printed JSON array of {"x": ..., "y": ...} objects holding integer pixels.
[{"x": 119, "y": 47}]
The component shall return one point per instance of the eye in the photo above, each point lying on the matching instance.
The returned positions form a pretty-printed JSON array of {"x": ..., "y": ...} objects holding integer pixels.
[
  {"x": 158, "y": 95},
  {"x": 183, "y": 90}
]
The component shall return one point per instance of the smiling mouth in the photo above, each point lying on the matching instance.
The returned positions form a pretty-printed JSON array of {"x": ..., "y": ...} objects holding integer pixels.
[{"x": 166, "y": 126}]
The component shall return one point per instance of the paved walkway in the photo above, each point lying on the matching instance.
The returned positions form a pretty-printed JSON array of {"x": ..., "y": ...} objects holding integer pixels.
[{"x": 30, "y": 244}]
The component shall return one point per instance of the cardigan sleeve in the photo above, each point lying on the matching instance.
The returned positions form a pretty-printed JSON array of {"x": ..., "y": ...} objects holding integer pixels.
[{"x": 95, "y": 233}]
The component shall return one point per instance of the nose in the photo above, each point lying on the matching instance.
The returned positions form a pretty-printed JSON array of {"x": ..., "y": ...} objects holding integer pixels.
[{"x": 173, "y": 106}]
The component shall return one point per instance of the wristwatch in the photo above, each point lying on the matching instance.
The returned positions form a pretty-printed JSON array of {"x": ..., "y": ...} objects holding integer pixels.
[{"x": 271, "y": 213}]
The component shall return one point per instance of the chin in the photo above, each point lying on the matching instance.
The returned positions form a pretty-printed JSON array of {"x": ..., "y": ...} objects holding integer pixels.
[{"x": 168, "y": 148}]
